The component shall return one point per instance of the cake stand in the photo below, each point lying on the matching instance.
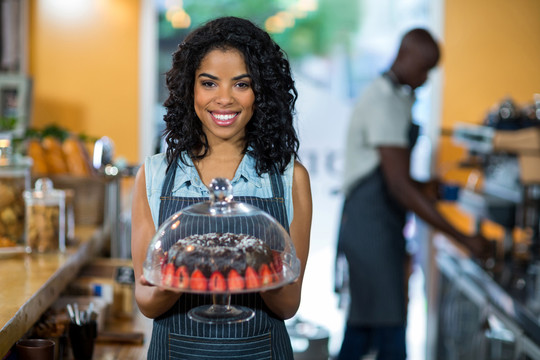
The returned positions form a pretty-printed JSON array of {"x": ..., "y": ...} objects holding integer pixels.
[{"x": 221, "y": 214}]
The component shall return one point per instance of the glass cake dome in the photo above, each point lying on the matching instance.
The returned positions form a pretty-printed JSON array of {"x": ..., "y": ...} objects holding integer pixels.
[{"x": 221, "y": 247}]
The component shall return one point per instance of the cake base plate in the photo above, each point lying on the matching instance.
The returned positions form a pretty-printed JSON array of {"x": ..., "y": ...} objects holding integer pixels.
[{"x": 221, "y": 312}]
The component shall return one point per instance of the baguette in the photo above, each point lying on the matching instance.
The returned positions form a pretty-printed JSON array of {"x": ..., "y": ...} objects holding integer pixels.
[
  {"x": 77, "y": 159},
  {"x": 37, "y": 153},
  {"x": 56, "y": 162}
]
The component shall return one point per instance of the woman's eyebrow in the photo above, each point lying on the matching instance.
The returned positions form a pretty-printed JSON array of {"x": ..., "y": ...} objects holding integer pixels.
[
  {"x": 216, "y": 78},
  {"x": 241, "y": 77},
  {"x": 208, "y": 76}
]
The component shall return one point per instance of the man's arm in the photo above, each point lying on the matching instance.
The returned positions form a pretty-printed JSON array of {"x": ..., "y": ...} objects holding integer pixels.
[{"x": 395, "y": 163}]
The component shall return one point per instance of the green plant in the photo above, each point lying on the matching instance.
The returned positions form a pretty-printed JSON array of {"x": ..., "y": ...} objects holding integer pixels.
[{"x": 7, "y": 123}]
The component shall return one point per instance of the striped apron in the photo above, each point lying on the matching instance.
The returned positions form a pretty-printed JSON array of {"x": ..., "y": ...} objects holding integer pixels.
[
  {"x": 371, "y": 237},
  {"x": 372, "y": 240},
  {"x": 176, "y": 336}
]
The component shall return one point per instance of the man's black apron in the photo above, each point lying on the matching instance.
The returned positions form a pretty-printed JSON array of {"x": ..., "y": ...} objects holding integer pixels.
[
  {"x": 176, "y": 336},
  {"x": 372, "y": 240}
]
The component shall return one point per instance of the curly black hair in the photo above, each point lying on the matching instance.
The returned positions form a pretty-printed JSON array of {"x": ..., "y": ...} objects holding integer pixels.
[{"x": 270, "y": 135}]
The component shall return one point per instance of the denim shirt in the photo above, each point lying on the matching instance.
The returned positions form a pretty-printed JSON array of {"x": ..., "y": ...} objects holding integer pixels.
[{"x": 188, "y": 183}]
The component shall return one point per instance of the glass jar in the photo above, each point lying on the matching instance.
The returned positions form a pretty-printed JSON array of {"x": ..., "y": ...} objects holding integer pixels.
[
  {"x": 14, "y": 180},
  {"x": 45, "y": 218},
  {"x": 123, "y": 292}
]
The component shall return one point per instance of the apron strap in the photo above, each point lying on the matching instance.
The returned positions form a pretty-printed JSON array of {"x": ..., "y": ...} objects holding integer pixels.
[
  {"x": 278, "y": 193},
  {"x": 166, "y": 189},
  {"x": 277, "y": 184},
  {"x": 168, "y": 183}
]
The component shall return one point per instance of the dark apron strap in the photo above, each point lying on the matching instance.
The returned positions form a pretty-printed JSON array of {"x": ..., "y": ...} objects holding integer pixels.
[
  {"x": 166, "y": 189},
  {"x": 277, "y": 184}
]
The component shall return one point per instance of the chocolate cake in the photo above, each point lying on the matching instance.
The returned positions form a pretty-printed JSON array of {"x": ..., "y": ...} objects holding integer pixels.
[{"x": 220, "y": 262}]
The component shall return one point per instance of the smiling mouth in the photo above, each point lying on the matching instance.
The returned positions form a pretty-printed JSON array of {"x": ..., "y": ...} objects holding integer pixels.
[{"x": 224, "y": 119}]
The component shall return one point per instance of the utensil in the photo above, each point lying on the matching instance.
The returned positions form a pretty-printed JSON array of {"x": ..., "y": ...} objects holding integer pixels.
[
  {"x": 70, "y": 312},
  {"x": 77, "y": 314}
]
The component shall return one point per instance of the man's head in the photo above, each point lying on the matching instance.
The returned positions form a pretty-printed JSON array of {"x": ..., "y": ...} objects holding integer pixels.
[{"x": 417, "y": 55}]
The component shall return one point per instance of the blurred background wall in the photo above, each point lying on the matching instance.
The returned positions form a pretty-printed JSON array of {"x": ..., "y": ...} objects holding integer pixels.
[
  {"x": 84, "y": 63},
  {"x": 491, "y": 51}
]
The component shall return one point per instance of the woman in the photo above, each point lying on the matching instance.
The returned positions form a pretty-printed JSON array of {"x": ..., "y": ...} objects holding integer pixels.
[{"x": 229, "y": 114}]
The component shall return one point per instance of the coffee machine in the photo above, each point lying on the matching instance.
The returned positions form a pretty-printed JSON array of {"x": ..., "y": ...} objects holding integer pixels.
[
  {"x": 506, "y": 151},
  {"x": 491, "y": 309}
]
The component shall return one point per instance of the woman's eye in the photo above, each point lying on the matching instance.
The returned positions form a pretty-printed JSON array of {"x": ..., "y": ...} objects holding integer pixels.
[
  {"x": 243, "y": 85},
  {"x": 207, "y": 83}
]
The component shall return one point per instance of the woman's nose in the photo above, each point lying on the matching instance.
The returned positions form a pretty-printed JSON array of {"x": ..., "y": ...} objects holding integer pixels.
[{"x": 224, "y": 96}]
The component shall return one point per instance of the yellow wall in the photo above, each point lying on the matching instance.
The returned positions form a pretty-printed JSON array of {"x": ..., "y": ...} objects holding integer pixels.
[
  {"x": 491, "y": 50},
  {"x": 83, "y": 57},
  {"x": 85, "y": 65}
]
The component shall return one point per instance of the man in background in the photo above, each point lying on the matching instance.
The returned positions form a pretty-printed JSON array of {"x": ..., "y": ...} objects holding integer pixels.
[{"x": 379, "y": 192}]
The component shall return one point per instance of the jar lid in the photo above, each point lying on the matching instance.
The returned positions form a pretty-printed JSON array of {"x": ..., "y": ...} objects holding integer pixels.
[
  {"x": 44, "y": 191},
  {"x": 10, "y": 161}
]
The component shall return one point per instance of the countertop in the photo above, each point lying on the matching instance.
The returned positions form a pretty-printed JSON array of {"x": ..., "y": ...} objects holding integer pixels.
[
  {"x": 507, "y": 287},
  {"x": 30, "y": 283}
]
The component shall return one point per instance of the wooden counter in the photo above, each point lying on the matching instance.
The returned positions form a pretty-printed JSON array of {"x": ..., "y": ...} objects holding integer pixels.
[{"x": 30, "y": 283}]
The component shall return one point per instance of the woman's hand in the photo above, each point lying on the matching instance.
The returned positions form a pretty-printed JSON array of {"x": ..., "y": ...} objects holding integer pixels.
[
  {"x": 152, "y": 300},
  {"x": 144, "y": 282},
  {"x": 284, "y": 301}
]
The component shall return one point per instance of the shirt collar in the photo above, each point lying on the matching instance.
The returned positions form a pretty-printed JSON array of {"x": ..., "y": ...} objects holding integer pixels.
[
  {"x": 188, "y": 174},
  {"x": 246, "y": 171},
  {"x": 402, "y": 89}
]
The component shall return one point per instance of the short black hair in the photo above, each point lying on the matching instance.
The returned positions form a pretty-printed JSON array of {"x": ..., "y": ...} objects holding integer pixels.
[
  {"x": 420, "y": 38},
  {"x": 270, "y": 135}
]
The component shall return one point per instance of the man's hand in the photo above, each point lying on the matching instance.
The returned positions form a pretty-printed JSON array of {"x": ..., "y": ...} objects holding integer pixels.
[
  {"x": 432, "y": 190},
  {"x": 479, "y": 246}
]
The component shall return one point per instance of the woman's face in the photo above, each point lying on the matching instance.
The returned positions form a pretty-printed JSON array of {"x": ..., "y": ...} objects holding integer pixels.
[{"x": 223, "y": 94}]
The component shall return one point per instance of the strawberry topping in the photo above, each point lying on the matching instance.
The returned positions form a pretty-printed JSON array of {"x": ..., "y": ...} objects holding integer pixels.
[
  {"x": 265, "y": 274},
  {"x": 235, "y": 281},
  {"x": 168, "y": 277},
  {"x": 252, "y": 278},
  {"x": 182, "y": 276},
  {"x": 217, "y": 282},
  {"x": 198, "y": 281}
]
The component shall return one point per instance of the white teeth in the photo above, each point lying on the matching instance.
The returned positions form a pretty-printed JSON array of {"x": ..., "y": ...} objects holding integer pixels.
[{"x": 223, "y": 117}]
